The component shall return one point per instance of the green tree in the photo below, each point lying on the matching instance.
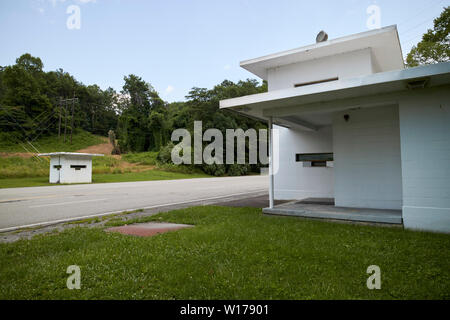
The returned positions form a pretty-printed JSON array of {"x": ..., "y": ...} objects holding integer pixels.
[
  {"x": 142, "y": 118},
  {"x": 435, "y": 46},
  {"x": 203, "y": 104},
  {"x": 30, "y": 101},
  {"x": 30, "y": 63},
  {"x": 23, "y": 96}
]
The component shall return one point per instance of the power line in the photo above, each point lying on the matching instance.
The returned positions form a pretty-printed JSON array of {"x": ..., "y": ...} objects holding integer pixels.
[
  {"x": 26, "y": 135},
  {"x": 43, "y": 130},
  {"x": 411, "y": 39},
  {"x": 65, "y": 102},
  {"x": 94, "y": 111},
  {"x": 418, "y": 25},
  {"x": 407, "y": 31},
  {"x": 420, "y": 12}
]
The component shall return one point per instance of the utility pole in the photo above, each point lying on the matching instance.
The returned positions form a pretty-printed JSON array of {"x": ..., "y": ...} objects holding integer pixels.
[
  {"x": 66, "y": 104},
  {"x": 65, "y": 120},
  {"x": 59, "y": 124},
  {"x": 93, "y": 116},
  {"x": 94, "y": 111},
  {"x": 71, "y": 124}
]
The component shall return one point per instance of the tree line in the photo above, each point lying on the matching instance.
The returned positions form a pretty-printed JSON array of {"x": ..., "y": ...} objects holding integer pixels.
[
  {"x": 146, "y": 122},
  {"x": 30, "y": 103},
  {"x": 30, "y": 107}
]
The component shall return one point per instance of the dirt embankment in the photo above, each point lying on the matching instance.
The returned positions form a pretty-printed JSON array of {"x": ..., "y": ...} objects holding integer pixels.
[
  {"x": 104, "y": 148},
  {"x": 16, "y": 154}
]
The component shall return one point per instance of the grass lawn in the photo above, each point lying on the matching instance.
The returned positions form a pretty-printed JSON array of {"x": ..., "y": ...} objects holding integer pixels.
[
  {"x": 147, "y": 158},
  {"x": 149, "y": 175},
  {"x": 232, "y": 253}
]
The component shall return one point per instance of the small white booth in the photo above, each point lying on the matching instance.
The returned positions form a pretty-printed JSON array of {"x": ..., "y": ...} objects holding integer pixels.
[{"x": 70, "y": 167}]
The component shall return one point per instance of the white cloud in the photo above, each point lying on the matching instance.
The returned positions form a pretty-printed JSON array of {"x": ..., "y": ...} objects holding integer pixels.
[
  {"x": 169, "y": 89},
  {"x": 227, "y": 67},
  {"x": 41, "y": 10},
  {"x": 55, "y": 2}
]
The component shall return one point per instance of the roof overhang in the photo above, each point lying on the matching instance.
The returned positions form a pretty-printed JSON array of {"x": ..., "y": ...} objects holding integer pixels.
[
  {"x": 384, "y": 43},
  {"x": 272, "y": 103},
  {"x": 71, "y": 154}
]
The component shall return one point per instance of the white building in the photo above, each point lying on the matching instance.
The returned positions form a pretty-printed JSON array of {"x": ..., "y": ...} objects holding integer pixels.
[
  {"x": 70, "y": 167},
  {"x": 355, "y": 125}
]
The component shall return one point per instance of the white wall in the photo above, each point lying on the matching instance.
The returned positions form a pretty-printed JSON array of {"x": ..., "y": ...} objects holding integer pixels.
[
  {"x": 367, "y": 164},
  {"x": 292, "y": 180},
  {"x": 346, "y": 65},
  {"x": 70, "y": 175},
  {"x": 54, "y": 173},
  {"x": 425, "y": 138}
]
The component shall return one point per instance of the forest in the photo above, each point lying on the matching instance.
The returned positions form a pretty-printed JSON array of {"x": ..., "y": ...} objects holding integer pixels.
[{"x": 35, "y": 104}]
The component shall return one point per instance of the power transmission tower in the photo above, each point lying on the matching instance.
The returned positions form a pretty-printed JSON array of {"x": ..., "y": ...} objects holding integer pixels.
[
  {"x": 59, "y": 124},
  {"x": 66, "y": 103},
  {"x": 73, "y": 107},
  {"x": 94, "y": 111},
  {"x": 65, "y": 119}
]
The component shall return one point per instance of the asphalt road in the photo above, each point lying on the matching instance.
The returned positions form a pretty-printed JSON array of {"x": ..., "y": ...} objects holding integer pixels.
[{"x": 20, "y": 207}]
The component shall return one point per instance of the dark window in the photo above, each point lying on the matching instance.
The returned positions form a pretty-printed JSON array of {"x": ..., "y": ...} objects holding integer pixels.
[
  {"x": 315, "y": 82},
  {"x": 58, "y": 166},
  {"x": 78, "y": 167},
  {"x": 314, "y": 157}
]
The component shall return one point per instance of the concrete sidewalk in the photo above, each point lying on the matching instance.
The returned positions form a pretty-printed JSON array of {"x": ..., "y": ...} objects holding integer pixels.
[
  {"x": 322, "y": 210},
  {"x": 260, "y": 201}
]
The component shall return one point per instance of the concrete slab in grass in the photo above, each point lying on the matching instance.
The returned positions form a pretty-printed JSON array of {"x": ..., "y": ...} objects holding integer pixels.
[{"x": 148, "y": 229}]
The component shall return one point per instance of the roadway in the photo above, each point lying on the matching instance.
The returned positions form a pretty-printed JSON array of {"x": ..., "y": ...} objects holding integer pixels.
[{"x": 27, "y": 207}]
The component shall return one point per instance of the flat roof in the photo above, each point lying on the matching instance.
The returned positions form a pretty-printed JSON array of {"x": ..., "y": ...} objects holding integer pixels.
[
  {"x": 378, "y": 83},
  {"x": 72, "y": 154},
  {"x": 384, "y": 44}
]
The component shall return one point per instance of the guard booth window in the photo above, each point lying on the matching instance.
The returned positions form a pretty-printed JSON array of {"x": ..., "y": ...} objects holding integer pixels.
[
  {"x": 78, "y": 167},
  {"x": 315, "y": 159}
]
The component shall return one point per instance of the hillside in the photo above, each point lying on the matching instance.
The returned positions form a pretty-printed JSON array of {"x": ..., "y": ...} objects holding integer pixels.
[{"x": 80, "y": 140}]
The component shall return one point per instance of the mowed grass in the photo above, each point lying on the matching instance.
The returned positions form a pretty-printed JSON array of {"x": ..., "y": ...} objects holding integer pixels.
[
  {"x": 149, "y": 175},
  {"x": 231, "y": 253},
  {"x": 20, "y": 167},
  {"x": 81, "y": 139},
  {"x": 146, "y": 158},
  {"x": 18, "y": 171}
]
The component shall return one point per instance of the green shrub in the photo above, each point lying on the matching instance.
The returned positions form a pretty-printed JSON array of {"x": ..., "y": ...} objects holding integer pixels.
[
  {"x": 9, "y": 139},
  {"x": 238, "y": 169},
  {"x": 214, "y": 169},
  {"x": 165, "y": 154},
  {"x": 170, "y": 167}
]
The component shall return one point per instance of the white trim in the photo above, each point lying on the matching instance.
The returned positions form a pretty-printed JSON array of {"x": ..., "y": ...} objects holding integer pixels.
[
  {"x": 271, "y": 177},
  {"x": 382, "y": 82},
  {"x": 75, "y": 154},
  {"x": 378, "y": 39}
]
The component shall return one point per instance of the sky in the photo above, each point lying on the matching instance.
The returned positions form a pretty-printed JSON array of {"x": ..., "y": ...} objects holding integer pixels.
[{"x": 179, "y": 44}]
